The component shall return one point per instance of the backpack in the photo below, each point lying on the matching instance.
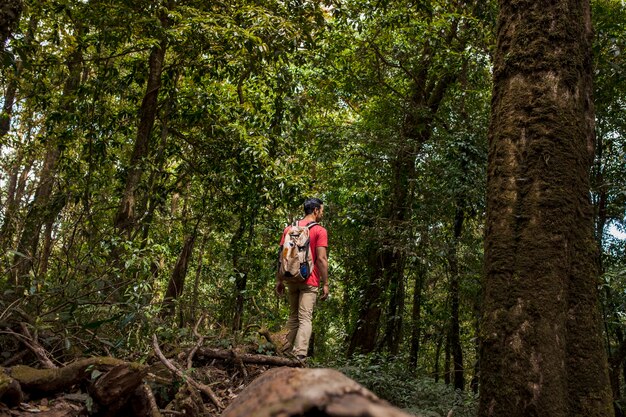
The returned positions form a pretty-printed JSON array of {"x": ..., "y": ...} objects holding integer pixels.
[{"x": 295, "y": 262}]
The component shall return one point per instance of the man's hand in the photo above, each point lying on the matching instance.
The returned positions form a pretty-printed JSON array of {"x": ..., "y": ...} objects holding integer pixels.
[
  {"x": 325, "y": 291},
  {"x": 280, "y": 288}
]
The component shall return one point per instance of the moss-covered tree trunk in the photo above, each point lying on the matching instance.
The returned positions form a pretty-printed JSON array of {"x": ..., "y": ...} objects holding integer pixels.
[{"x": 542, "y": 351}]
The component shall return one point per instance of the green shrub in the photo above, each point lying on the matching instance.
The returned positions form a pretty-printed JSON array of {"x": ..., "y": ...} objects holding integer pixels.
[{"x": 391, "y": 379}]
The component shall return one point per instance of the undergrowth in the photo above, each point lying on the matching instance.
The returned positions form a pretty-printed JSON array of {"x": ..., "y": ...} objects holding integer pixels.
[{"x": 390, "y": 379}]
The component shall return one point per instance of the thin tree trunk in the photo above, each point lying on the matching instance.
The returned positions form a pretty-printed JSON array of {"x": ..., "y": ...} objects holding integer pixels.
[
  {"x": 436, "y": 367},
  {"x": 196, "y": 282},
  {"x": 176, "y": 283},
  {"x": 125, "y": 218},
  {"x": 29, "y": 241},
  {"x": 238, "y": 250},
  {"x": 475, "y": 382},
  {"x": 416, "y": 316},
  {"x": 15, "y": 192},
  {"x": 447, "y": 354},
  {"x": 47, "y": 248},
  {"x": 542, "y": 353},
  {"x": 43, "y": 206},
  {"x": 10, "y": 206},
  {"x": 455, "y": 326},
  {"x": 154, "y": 198}
]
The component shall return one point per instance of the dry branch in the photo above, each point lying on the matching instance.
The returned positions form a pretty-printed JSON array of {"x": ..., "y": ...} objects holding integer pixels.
[
  {"x": 209, "y": 353},
  {"x": 38, "y": 350},
  {"x": 33, "y": 345},
  {"x": 198, "y": 343},
  {"x": 289, "y": 392},
  {"x": 200, "y": 387},
  {"x": 152, "y": 404}
]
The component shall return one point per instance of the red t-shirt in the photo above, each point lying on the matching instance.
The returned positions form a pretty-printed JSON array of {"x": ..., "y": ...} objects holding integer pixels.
[{"x": 318, "y": 237}]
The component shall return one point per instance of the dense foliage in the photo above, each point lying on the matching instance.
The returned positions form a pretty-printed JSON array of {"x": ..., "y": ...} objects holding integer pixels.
[{"x": 152, "y": 152}]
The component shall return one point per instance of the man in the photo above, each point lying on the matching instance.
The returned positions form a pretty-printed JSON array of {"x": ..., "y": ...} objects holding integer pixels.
[{"x": 302, "y": 296}]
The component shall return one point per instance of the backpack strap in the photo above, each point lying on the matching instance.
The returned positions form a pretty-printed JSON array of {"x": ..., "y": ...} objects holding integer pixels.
[{"x": 311, "y": 225}]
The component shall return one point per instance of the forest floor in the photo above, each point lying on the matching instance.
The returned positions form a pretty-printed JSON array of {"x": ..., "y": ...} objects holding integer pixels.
[
  {"x": 194, "y": 381},
  {"x": 226, "y": 381}
]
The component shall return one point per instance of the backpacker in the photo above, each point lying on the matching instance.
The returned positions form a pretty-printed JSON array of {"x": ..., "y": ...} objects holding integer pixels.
[{"x": 295, "y": 262}]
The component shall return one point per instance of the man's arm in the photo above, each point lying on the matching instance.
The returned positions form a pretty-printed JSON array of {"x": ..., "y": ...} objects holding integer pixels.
[{"x": 321, "y": 262}]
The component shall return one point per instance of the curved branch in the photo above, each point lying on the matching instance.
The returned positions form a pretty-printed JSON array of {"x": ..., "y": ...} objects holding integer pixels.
[{"x": 200, "y": 387}]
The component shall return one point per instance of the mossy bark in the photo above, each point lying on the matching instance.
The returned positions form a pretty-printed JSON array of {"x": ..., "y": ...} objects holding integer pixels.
[{"x": 542, "y": 353}]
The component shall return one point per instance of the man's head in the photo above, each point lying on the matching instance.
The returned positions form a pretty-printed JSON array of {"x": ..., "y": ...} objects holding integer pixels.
[{"x": 314, "y": 206}]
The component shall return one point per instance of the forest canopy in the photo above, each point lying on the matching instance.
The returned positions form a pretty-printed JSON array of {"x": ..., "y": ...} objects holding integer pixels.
[{"x": 153, "y": 152}]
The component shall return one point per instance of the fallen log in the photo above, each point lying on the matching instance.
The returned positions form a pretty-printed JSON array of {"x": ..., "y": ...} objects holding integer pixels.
[
  {"x": 209, "y": 353},
  {"x": 49, "y": 381},
  {"x": 112, "y": 390},
  {"x": 290, "y": 392},
  {"x": 10, "y": 390}
]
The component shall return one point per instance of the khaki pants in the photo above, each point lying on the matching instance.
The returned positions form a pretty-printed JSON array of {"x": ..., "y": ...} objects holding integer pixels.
[{"x": 302, "y": 299}]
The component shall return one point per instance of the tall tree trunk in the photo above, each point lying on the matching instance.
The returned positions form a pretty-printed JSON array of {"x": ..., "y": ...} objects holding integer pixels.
[
  {"x": 15, "y": 191},
  {"x": 196, "y": 283},
  {"x": 455, "y": 326},
  {"x": 387, "y": 266},
  {"x": 542, "y": 352},
  {"x": 43, "y": 206},
  {"x": 393, "y": 332},
  {"x": 365, "y": 334},
  {"x": 239, "y": 245},
  {"x": 125, "y": 218},
  {"x": 426, "y": 97},
  {"x": 155, "y": 197}
]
